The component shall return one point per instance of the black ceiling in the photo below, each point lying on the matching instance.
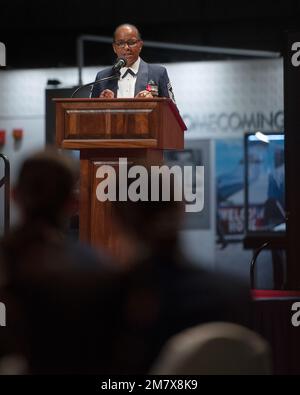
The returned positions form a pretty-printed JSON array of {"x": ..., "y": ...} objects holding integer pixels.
[{"x": 44, "y": 34}]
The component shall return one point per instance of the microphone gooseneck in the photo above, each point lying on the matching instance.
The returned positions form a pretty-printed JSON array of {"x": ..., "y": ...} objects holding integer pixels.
[
  {"x": 119, "y": 63},
  {"x": 111, "y": 77}
]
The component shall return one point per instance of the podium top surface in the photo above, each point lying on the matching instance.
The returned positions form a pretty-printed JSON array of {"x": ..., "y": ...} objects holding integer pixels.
[{"x": 169, "y": 102}]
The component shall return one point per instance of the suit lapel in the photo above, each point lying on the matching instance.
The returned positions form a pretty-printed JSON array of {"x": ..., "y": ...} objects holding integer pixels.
[
  {"x": 142, "y": 78},
  {"x": 111, "y": 84}
]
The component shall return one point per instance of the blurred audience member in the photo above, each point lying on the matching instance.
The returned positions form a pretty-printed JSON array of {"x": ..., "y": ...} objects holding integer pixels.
[
  {"x": 57, "y": 293},
  {"x": 215, "y": 348},
  {"x": 163, "y": 292}
]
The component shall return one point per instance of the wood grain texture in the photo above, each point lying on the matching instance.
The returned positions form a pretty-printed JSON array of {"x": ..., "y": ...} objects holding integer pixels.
[
  {"x": 78, "y": 120},
  {"x": 105, "y": 130}
]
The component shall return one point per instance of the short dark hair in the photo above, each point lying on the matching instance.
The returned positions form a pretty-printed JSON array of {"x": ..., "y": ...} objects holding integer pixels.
[
  {"x": 128, "y": 25},
  {"x": 46, "y": 180}
]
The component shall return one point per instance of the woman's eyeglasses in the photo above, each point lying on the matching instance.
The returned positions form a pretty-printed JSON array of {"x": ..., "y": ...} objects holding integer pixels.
[{"x": 122, "y": 44}]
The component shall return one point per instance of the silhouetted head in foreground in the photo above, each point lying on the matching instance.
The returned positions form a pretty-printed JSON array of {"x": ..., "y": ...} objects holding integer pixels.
[
  {"x": 152, "y": 224},
  {"x": 44, "y": 189}
]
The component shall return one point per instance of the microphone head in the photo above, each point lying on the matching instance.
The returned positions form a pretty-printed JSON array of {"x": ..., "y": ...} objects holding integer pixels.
[
  {"x": 120, "y": 62},
  {"x": 123, "y": 62}
]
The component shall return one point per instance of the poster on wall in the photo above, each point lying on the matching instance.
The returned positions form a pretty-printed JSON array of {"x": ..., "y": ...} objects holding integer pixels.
[
  {"x": 265, "y": 182},
  {"x": 229, "y": 189},
  {"x": 196, "y": 153},
  {"x": 263, "y": 190}
]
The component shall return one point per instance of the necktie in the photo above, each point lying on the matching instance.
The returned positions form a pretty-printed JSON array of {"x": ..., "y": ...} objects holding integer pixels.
[{"x": 128, "y": 71}]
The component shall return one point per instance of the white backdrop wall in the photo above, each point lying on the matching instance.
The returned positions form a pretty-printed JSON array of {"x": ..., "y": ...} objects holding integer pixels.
[
  {"x": 225, "y": 99},
  {"x": 220, "y": 99}
]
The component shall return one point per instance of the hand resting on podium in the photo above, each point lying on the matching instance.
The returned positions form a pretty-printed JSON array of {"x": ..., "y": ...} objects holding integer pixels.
[{"x": 108, "y": 94}]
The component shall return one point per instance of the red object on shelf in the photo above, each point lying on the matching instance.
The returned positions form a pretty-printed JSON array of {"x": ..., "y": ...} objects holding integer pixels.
[
  {"x": 2, "y": 136},
  {"x": 274, "y": 294},
  {"x": 17, "y": 134}
]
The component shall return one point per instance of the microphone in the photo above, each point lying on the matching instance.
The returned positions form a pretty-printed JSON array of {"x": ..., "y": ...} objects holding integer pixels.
[{"x": 119, "y": 63}]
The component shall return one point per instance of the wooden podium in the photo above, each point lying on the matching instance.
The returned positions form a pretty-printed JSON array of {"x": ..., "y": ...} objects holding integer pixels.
[{"x": 103, "y": 130}]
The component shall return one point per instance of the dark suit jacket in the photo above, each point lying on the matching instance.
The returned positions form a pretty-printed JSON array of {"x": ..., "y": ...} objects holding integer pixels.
[{"x": 146, "y": 73}]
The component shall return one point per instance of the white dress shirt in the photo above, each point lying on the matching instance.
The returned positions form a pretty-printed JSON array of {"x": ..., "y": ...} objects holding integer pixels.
[{"x": 126, "y": 85}]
